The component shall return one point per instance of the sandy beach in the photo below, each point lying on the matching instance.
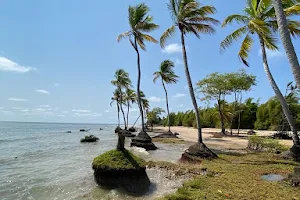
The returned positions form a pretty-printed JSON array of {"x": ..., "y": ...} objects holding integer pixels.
[{"x": 191, "y": 135}]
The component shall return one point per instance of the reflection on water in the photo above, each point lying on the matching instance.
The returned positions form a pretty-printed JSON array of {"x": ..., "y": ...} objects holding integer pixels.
[{"x": 53, "y": 164}]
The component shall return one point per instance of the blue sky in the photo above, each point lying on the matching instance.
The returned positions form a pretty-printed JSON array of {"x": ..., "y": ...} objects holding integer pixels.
[{"x": 57, "y": 59}]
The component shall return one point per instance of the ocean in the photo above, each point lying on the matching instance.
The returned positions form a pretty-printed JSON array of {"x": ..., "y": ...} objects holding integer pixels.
[{"x": 41, "y": 161}]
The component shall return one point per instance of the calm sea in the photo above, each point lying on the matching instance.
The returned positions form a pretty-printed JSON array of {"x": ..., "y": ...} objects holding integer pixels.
[{"x": 40, "y": 161}]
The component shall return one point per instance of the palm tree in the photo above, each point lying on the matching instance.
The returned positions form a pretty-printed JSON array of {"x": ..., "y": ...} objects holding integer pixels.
[
  {"x": 122, "y": 81},
  {"x": 116, "y": 98},
  {"x": 283, "y": 27},
  {"x": 167, "y": 76},
  {"x": 190, "y": 17},
  {"x": 140, "y": 22},
  {"x": 130, "y": 98},
  {"x": 259, "y": 19}
]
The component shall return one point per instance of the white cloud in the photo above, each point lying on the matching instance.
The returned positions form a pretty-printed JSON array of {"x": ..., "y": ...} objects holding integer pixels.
[
  {"x": 155, "y": 99},
  {"x": 42, "y": 91},
  {"x": 172, "y": 48},
  {"x": 40, "y": 109},
  {"x": 107, "y": 111},
  {"x": 44, "y": 106},
  {"x": 11, "y": 66},
  {"x": 272, "y": 54},
  {"x": 25, "y": 110},
  {"x": 65, "y": 112},
  {"x": 81, "y": 111},
  {"x": 178, "y": 95},
  {"x": 87, "y": 114},
  {"x": 17, "y": 99},
  {"x": 56, "y": 84}
]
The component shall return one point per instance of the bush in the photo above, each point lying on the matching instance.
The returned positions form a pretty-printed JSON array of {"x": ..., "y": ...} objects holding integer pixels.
[{"x": 264, "y": 144}]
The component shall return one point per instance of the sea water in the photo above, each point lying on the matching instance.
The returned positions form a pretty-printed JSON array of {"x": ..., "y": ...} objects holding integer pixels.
[{"x": 41, "y": 161}]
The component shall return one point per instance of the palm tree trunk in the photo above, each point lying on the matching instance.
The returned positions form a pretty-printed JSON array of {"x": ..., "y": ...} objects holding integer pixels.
[
  {"x": 138, "y": 85},
  {"x": 128, "y": 108},
  {"x": 167, "y": 102},
  {"x": 279, "y": 95},
  {"x": 221, "y": 116},
  {"x": 118, "y": 107},
  {"x": 286, "y": 40},
  {"x": 121, "y": 107},
  {"x": 136, "y": 121},
  {"x": 191, "y": 90}
]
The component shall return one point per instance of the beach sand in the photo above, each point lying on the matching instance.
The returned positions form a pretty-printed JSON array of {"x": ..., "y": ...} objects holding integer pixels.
[{"x": 191, "y": 135}]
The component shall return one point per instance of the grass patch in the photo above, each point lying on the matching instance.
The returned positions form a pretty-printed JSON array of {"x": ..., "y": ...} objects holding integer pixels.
[
  {"x": 168, "y": 140},
  {"x": 265, "y": 144},
  {"x": 118, "y": 160},
  {"x": 239, "y": 177}
]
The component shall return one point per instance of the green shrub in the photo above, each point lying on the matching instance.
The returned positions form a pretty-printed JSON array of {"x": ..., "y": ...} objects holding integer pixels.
[{"x": 258, "y": 143}]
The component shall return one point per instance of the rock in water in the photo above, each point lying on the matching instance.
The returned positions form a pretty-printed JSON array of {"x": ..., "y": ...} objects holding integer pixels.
[
  {"x": 90, "y": 138},
  {"x": 197, "y": 152},
  {"x": 68, "y": 132},
  {"x": 121, "y": 169},
  {"x": 132, "y": 129},
  {"x": 166, "y": 135},
  {"x": 143, "y": 140},
  {"x": 127, "y": 133},
  {"x": 118, "y": 129}
]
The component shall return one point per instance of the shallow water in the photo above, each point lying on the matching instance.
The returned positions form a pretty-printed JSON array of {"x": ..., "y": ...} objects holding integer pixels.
[
  {"x": 272, "y": 177},
  {"x": 52, "y": 164}
]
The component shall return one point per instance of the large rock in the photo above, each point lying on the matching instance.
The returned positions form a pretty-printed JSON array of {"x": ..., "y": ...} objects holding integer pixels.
[
  {"x": 197, "y": 152},
  {"x": 166, "y": 135},
  {"x": 118, "y": 129},
  {"x": 143, "y": 140},
  {"x": 90, "y": 138},
  {"x": 127, "y": 133},
  {"x": 132, "y": 129},
  {"x": 121, "y": 169}
]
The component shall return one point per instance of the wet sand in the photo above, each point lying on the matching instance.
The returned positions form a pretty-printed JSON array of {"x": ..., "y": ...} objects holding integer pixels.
[{"x": 191, "y": 135}]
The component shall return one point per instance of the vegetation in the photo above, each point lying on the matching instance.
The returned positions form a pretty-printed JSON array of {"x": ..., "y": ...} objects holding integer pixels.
[
  {"x": 264, "y": 144},
  {"x": 118, "y": 160},
  {"x": 239, "y": 177},
  {"x": 167, "y": 76}
]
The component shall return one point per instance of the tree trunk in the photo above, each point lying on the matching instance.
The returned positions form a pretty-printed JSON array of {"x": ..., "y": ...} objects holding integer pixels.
[
  {"x": 121, "y": 107},
  {"x": 233, "y": 113},
  {"x": 118, "y": 107},
  {"x": 128, "y": 108},
  {"x": 138, "y": 85},
  {"x": 136, "y": 121},
  {"x": 167, "y": 102},
  {"x": 221, "y": 116},
  {"x": 191, "y": 89},
  {"x": 239, "y": 120},
  {"x": 279, "y": 95},
  {"x": 286, "y": 40},
  {"x": 121, "y": 142}
]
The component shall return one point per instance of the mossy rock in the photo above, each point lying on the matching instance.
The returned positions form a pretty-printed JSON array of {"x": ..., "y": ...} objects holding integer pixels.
[
  {"x": 121, "y": 169},
  {"x": 90, "y": 138}
]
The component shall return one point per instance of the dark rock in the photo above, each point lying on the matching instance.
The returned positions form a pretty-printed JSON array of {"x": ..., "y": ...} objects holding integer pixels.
[
  {"x": 282, "y": 136},
  {"x": 118, "y": 129},
  {"x": 166, "y": 135},
  {"x": 176, "y": 134},
  {"x": 84, "y": 130},
  {"x": 251, "y": 132},
  {"x": 143, "y": 140},
  {"x": 132, "y": 129},
  {"x": 101, "y": 129},
  {"x": 127, "y": 133},
  {"x": 68, "y": 132},
  {"x": 197, "y": 152},
  {"x": 90, "y": 138},
  {"x": 277, "y": 152}
]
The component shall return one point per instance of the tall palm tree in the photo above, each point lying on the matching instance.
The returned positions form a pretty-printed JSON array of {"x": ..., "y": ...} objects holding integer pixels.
[
  {"x": 259, "y": 18},
  {"x": 122, "y": 81},
  {"x": 168, "y": 76},
  {"x": 130, "y": 98},
  {"x": 116, "y": 98},
  {"x": 190, "y": 17},
  {"x": 283, "y": 27},
  {"x": 140, "y": 24}
]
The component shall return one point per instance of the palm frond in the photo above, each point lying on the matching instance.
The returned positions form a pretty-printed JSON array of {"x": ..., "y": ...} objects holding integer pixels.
[
  {"x": 123, "y": 35},
  {"x": 235, "y": 18},
  {"x": 166, "y": 35},
  {"x": 156, "y": 76},
  {"x": 270, "y": 41},
  {"x": 203, "y": 28},
  {"x": 245, "y": 49},
  {"x": 149, "y": 38},
  {"x": 227, "y": 42},
  {"x": 293, "y": 10}
]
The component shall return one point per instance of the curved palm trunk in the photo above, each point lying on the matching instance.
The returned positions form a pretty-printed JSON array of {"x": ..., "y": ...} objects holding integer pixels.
[
  {"x": 138, "y": 85},
  {"x": 121, "y": 107},
  {"x": 279, "y": 95},
  {"x": 136, "y": 120},
  {"x": 286, "y": 40},
  {"x": 167, "y": 103},
  {"x": 118, "y": 108},
  {"x": 191, "y": 90},
  {"x": 128, "y": 108}
]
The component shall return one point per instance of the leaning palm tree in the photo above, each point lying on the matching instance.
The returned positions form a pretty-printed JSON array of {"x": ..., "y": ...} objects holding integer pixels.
[
  {"x": 259, "y": 19},
  {"x": 116, "y": 98},
  {"x": 140, "y": 24},
  {"x": 122, "y": 81},
  {"x": 283, "y": 27},
  {"x": 191, "y": 17},
  {"x": 168, "y": 76},
  {"x": 130, "y": 98}
]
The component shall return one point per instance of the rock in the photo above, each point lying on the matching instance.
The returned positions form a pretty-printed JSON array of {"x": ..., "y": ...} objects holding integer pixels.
[
  {"x": 251, "y": 132},
  {"x": 90, "y": 138},
  {"x": 176, "y": 134},
  {"x": 127, "y": 133},
  {"x": 118, "y": 129},
  {"x": 101, "y": 129},
  {"x": 166, "y": 135},
  {"x": 68, "y": 132},
  {"x": 218, "y": 135},
  {"x": 121, "y": 169},
  {"x": 132, "y": 129},
  {"x": 197, "y": 152},
  {"x": 143, "y": 140},
  {"x": 84, "y": 130},
  {"x": 282, "y": 136}
]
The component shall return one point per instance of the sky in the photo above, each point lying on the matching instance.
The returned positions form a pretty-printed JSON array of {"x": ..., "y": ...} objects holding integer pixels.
[{"x": 57, "y": 59}]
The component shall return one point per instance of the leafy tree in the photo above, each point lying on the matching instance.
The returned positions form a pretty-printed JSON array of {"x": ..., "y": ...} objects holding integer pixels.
[
  {"x": 259, "y": 19},
  {"x": 168, "y": 76},
  {"x": 140, "y": 24},
  {"x": 190, "y": 17}
]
